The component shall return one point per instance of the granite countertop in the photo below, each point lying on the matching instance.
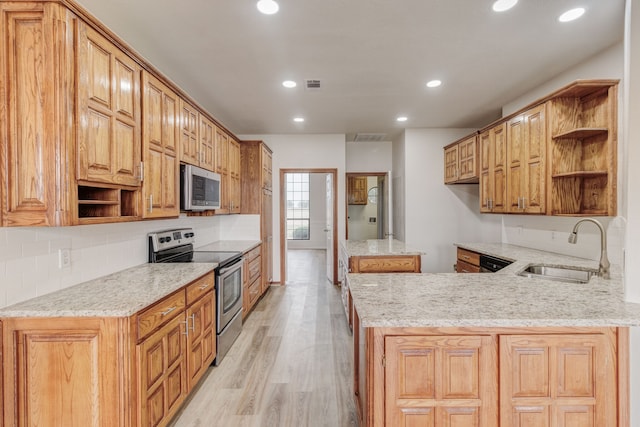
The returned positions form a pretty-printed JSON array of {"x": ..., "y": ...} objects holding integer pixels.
[
  {"x": 230, "y": 246},
  {"x": 374, "y": 247},
  {"x": 119, "y": 294},
  {"x": 501, "y": 299}
]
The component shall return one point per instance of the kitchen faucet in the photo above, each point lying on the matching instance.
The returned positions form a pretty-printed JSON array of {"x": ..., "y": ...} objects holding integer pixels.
[{"x": 603, "y": 270}]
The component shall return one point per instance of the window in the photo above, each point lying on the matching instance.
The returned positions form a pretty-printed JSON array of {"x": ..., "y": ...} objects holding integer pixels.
[{"x": 297, "y": 206}]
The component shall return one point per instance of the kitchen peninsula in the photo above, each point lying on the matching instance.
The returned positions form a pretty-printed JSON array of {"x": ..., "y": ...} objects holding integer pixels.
[{"x": 492, "y": 349}]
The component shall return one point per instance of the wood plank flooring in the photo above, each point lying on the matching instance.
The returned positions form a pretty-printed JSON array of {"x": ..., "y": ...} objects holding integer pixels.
[{"x": 290, "y": 366}]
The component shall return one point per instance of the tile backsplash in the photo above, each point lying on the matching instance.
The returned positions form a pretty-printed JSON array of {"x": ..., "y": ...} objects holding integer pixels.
[{"x": 29, "y": 264}]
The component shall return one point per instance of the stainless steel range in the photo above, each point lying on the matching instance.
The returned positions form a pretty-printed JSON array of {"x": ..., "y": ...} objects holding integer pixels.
[{"x": 177, "y": 246}]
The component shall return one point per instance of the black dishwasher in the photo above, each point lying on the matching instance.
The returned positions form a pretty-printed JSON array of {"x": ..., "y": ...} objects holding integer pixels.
[{"x": 489, "y": 264}]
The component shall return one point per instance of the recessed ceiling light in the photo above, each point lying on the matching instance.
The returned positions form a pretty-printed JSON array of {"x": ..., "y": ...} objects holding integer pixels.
[
  {"x": 502, "y": 5},
  {"x": 402, "y": 118},
  {"x": 572, "y": 14},
  {"x": 434, "y": 83},
  {"x": 268, "y": 7},
  {"x": 289, "y": 84},
  {"x": 298, "y": 119}
]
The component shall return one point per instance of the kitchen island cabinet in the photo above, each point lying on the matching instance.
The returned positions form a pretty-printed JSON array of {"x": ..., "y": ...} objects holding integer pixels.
[
  {"x": 122, "y": 350},
  {"x": 492, "y": 349},
  {"x": 373, "y": 256}
]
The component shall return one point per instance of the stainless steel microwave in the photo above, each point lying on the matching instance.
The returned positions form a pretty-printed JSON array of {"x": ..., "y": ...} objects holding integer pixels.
[{"x": 199, "y": 189}]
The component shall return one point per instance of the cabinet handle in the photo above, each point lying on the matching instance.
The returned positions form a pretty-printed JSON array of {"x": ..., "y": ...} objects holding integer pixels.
[
  {"x": 193, "y": 323},
  {"x": 466, "y": 257},
  {"x": 150, "y": 203},
  {"x": 203, "y": 287},
  {"x": 524, "y": 203},
  {"x": 464, "y": 271},
  {"x": 168, "y": 310}
]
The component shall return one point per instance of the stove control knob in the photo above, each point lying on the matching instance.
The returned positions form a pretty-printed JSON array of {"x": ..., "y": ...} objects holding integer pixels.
[{"x": 161, "y": 240}]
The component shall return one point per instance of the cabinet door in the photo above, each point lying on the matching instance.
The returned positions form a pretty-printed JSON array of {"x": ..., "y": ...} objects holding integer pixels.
[
  {"x": 162, "y": 371},
  {"x": 222, "y": 167},
  {"x": 267, "y": 239},
  {"x": 108, "y": 100},
  {"x": 207, "y": 144},
  {"x": 468, "y": 159},
  {"x": 515, "y": 154},
  {"x": 201, "y": 340},
  {"x": 37, "y": 84},
  {"x": 189, "y": 141},
  {"x": 535, "y": 149},
  {"x": 441, "y": 381},
  {"x": 63, "y": 372},
  {"x": 357, "y": 190},
  {"x": 558, "y": 380},
  {"x": 267, "y": 172},
  {"x": 451, "y": 164},
  {"x": 160, "y": 127},
  {"x": 234, "y": 176},
  {"x": 492, "y": 165}
]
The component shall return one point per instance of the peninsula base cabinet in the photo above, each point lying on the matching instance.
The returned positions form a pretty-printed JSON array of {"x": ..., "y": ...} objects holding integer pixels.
[
  {"x": 476, "y": 377},
  {"x": 108, "y": 371}
]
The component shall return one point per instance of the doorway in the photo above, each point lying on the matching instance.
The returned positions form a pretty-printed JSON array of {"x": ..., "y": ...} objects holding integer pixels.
[
  {"x": 368, "y": 205},
  {"x": 297, "y": 224}
]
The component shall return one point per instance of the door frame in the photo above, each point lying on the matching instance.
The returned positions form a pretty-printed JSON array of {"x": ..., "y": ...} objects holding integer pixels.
[
  {"x": 283, "y": 234},
  {"x": 346, "y": 195}
]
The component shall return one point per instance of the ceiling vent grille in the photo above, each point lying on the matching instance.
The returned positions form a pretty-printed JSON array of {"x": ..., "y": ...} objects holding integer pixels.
[
  {"x": 370, "y": 137},
  {"x": 312, "y": 84}
]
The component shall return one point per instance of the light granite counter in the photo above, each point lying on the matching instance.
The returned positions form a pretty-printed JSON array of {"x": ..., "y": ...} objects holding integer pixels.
[
  {"x": 119, "y": 294},
  {"x": 372, "y": 247},
  {"x": 230, "y": 246},
  {"x": 501, "y": 299}
]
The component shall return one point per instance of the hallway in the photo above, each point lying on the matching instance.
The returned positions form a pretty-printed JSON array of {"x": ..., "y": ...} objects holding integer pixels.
[{"x": 291, "y": 365}]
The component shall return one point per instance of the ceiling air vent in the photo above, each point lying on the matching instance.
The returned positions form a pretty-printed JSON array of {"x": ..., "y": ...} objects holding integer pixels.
[
  {"x": 370, "y": 137},
  {"x": 312, "y": 84}
]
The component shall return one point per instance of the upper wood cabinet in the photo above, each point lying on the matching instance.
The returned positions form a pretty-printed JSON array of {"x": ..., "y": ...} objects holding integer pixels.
[
  {"x": 493, "y": 169},
  {"x": 583, "y": 149},
  {"x": 461, "y": 161},
  {"x": 234, "y": 187},
  {"x": 37, "y": 115},
  {"x": 357, "y": 190},
  {"x": 207, "y": 144},
  {"x": 526, "y": 154},
  {"x": 108, "y": 100},
  {"x": 189, "y": 138},
  {"x": 160, "y": 136}
]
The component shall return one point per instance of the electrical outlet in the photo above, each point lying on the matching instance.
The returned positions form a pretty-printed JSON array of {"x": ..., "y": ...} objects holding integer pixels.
[
  {"x": 64, "y": 258},
  {"x": 553, "y": 235}
]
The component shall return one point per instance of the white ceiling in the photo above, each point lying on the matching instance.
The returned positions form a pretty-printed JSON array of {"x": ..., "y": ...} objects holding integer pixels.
[{"x": 373, "y": 57}]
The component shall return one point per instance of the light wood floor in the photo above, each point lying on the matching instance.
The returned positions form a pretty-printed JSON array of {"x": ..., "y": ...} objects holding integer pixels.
[{"x": 291, "y": 365}]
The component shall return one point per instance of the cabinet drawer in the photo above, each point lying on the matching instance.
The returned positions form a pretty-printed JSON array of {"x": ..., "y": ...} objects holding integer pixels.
[
  {"x": 200, "y": 287},
  {"x": 392, "y": 264},
  {"x": 160, "y": 313},
  {"x": 254, "y": 269},
  {"x": 465, "y": 267},
  {"x": 252, "y": 254},
  {"x": 254, "y": 291},
  {"x": 469, "y": 257}
]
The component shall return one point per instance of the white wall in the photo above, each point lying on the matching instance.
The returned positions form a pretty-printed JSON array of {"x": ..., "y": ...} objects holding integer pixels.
[
  {"x": 398, "y": 188},
  {"x": 369, "y": 156},
  {"x": 317, "y": 215},
  {"x": 320, "y": 151},
  {"x": 29, "y": 255},
  {"x": 632, "y": 136},
  {"x": 438, "y": 215}
]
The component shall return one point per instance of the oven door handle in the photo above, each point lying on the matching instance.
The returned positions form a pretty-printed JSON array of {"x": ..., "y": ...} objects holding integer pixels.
[{"x": 233, "y": 267}]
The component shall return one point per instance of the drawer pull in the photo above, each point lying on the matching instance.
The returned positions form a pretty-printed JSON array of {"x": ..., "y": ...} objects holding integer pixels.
[
  {"x": 168, "y": 310},
  {"x": 466, "y": 257},
  {"x": 203, "y": 287}
]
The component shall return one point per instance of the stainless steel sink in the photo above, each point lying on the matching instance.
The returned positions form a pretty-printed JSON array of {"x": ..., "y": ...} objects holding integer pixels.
[{"x": 558, "y": 274}]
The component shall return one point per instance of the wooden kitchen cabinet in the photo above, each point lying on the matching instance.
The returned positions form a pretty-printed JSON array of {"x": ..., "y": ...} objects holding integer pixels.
[
  {"x": 201, "y": 324},
  {"x": 252, "y": 285},
  {"x": 441, "y": 381},
  {"x": 234, "y": 183},
  {"x": 160, "y": 140},
  {"x": 357, "y": 190},
  {"x": 583, "y": 149},
  {"x": 493, "y": 169},
  {"x": 526, "y": 154},
  {"x": 109, "y": 105},
  {"x": 385, "y": 264},
  {"x": 207, "y": 144},
  {"x": 461, "y": 161},
  {"x": 488, "y": 377},
  {"x": 257, "y": 198},
  {"x": 37, "y": 85},
  {"x": 467, "y": 261},
  {"x": 189, "y": 137},
  {"x": 222, "y": 167}
]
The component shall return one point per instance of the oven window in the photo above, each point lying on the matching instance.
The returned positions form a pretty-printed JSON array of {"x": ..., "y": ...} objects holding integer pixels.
[{"x": 232, "y": 288}]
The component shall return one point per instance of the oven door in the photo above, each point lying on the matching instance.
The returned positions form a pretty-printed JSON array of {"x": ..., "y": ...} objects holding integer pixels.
[{"x": 229, "y": 285}]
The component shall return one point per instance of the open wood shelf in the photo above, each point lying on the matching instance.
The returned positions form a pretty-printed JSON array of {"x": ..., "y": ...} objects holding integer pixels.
[
  {"x": 581, "y": 133},
  {"x": 103, "y": 203}
]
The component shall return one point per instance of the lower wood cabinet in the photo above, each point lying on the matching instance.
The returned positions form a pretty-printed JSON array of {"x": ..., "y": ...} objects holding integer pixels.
[
  {"x": 467, "y": 262},
  {"x": 252, "y": 282},
  {"x": 507, "y": 377},
  {"x": 109, "y": 371}
]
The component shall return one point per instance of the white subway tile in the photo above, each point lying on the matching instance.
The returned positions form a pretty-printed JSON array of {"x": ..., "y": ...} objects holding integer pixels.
[{"x": 30, "y": 249}]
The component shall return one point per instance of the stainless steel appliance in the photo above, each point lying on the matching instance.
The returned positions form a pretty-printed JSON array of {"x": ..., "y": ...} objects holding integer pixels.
[
  {"x": 489, "y": 264},
  {"x": 177, "y": 246},
  {"x": 199, "y": 189}
]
